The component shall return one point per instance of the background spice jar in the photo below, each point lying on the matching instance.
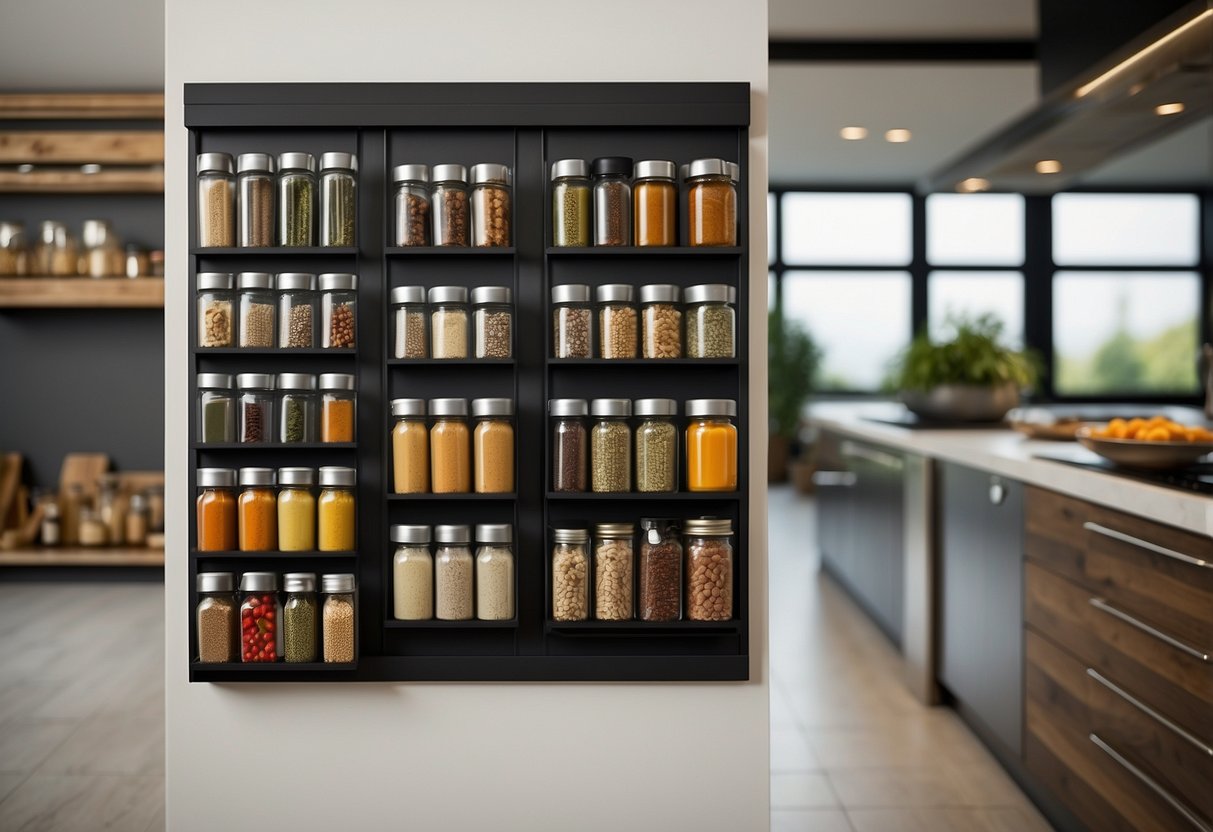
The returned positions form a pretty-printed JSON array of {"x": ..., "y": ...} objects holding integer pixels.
[
  {"x": 296, "y": 199},
  {"x": 448, "y": 322},
  {"x": 450, "y": 448},
  {"x": 661, "y": 318},
  {"x": 255, "y": 199},
  {"x": 256, "y": 417},
  {"x": 611, "y": 446},
  {"x": 408, "y": 305},
  {"x": 296, "y": 407},
  {"x": 656, "y": 204},
  {"x": 217, "y": 615},
  {"x": 571, "y": 317},
  {"x": 339, "y": 308},
  {"x": 336, "y": 522},
  {"x": 260, "y": 617},
  {"x": 711, "y": 322},
  {"x": 612, "y": 201},
  {"x": 216, "y": 510},
  {"x": 216, "y": 305},
  {"x": 13, "y": 255},
  {"x": 492, "y": 321},
  {"x": 494, "y": 572},
  {"x": 216, "y": 408},
  {"x": 257, "y": 510},
  {"x": 613, "y": 565},
  {"x": 711, "y": 204},
  {"x": 300, "y": 625},
  {"x": 709, "y": 555},
  {"x": 216, "y": 201},
  {"x": 338, "y": 198},
  {"x": 570, "y": 444},
  {"x": 493, "y": 446},
  {"x": 660, "y": 568},
  {"x": 449, "y": 205},
  {"x": 410, "y": 447},
  {"x": 296, "y": 510},
  {"x": 571, "y": 208},
  {"x": 340, "y": 618},
  {"x": 491, "y": 211},
  {"x": 617, "y": 324},
  {"x": 412, "y": 574},
  {"x": 337, "y": 407},
  {"x": 570, "y": 575},
  {"x": 656, "y": 445},
  {"x": 257, "y": 305},
  {"x": 55, "y": 253},
  {"x": 412, "y": 205},
  {"x": 296, "y": 310},
  {"x": 453, "y": 573}
]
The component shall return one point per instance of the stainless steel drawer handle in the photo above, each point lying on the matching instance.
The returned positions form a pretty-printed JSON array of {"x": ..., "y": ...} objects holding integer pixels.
[
  {"x": 1103, "y": 606},
  {"x": 1147, "y": 545},
  {"x": 1148, "y": 711},
  {"x": 1149, "y": 782},
  {"x": 852, "y": 450}
]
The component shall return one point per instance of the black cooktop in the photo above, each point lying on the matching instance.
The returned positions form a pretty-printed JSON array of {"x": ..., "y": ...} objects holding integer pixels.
[
  {"x": 913, "y": 422},
  {"x": 1195, "y": 478}
]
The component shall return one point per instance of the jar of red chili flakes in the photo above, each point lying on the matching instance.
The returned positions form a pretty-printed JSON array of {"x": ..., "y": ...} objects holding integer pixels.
[{"x": 260, "y": 618}]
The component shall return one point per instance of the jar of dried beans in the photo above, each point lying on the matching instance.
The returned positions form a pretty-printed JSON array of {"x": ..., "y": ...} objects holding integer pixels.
[
  {"x": 255, "y": 421},
  {"x": 453, "y": 573},
  {"x": 412, "y": 574},
  {"x": 656, "y": 204},
  {"x": 339, "y": 310},
  {"x": 492, "y": 322},
  {"x": 216, "y": 201},
  {"x": 493, "y": 446},
  {"x": 709, "y": 569},
  {"x": 660, "y": 571},
  {"x": 296, "y": 199},
  {"x": 611, "y": 446},
  {"x": 296, "y": 407},
  {"x": 339, "y": 618},
  {"x": 216, "y": 408},
  {"x": 571, "y": 317},
  {"x": 616, "y": 321},
  {"x": 613, "y": 565},
  {"x": 260, "y": 617},
  {"x": 257, "y": 309},
  {"x": 711, "y": 445},
  {"x": 336, "y": 524},
  {"x": 612, "y": 201},
  {"x": 448, "y": 322},
  {"x": 571, "y": 208},
  {"x": 300, "y": 624},
  {"x": 450, "y": 447},
  {"x": 55, "y": 253},
  {"x": 656, "y": 445},
  {"x": 337, "y": 407},
  {"x": 494, "y": 572},
  {"x": 711, "y": 322},
  {"x": 217, "y": 615},
  {"x": 408, "y": 314},
  {"x": 216, "y": 310},
  {"x": 661, "y": 321},
  {"x": 570, "y": 575},
  {"x": 449, "y": 206},
  {"x": 216, "y": 510},
  {"x": 297, "y": 310},
  {"x": 338, "y": 198},
  {"x": 296, "y": 510},
  {"x": 257, "y": 510},
  {"x": 412, "y": 205},
  {"x": 490, "y": 205},
  {"x": 410, "y": 447},
  {"x": 570, "y": 444},
  {"x": 255, "y": 199},
  {"x": 711, "y": 204}
]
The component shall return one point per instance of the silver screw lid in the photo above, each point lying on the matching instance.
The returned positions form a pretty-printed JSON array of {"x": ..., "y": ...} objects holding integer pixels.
[
  {"x": 708, "y": 526},
  {"x": 571, "y": 293},
  {"x": 655, "y": 407},
  {"x": 254, "y": 163},
  {"x": 296, "y": 281},
  {"x": 296, "y": 476},
  {"x": 255, "y": 381},
  {"x": 711, "y": 407},
  {"x": 338, "y": 281},
  {"x": 296, "y": 381},
  {"x": 490, "y": 294},
  {"x": 482, "y": 408},
  {"x": 452, "y": 534},
  {"x": 734, "y": 170},
  {"x": 215, "y": 582},
  {"x": 707, "y": 293},
  {"x": 411, "y": 173},
  {"x": 336, "y": 476},
  {"x": 214, "y": 163},
  {"x": 299, "y": 582},
  {"x": 708, "y": 167},
  {"x": 408, "y": 294},
  {"x": 615, "y": 293},
  {"x": 568, "y": 407},
  {"x": 409, "y": 534},
  {"x": 216, "y": 478},
  {"x": 659, "y": 293},
  {"x": 494, "y": 533},
  {"x": 408, "y": 407},
  {"x": 654, "y": 169},
  {"x": 450, "y": 173},
  {"x": 296, "y": 161},
  {"x": 336, "y": 381},
  {"x": 490, "y": 172},
  {"x": 254, "y": 280},
  {"x": 259, "y": 582},
  {"x": 214, "y": 280},
  {"x": 448, "y": 407},
  {"x": 571, "y": 167},
  {"x": 614, "y": 530},
  {"x": 338, "y": 582},
  {"x": 214, "y": 381},
  {"x": 257, "y": 476},
  {"x": 573, "y": 536},
  {"x": 448, "y": 294},
  {"x": 338, "y": 160},
  {"x": 611, "y": 407}
]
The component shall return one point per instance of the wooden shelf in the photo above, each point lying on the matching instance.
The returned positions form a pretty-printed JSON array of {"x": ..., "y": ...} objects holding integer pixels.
[
  {"x": 82, "y": 556},
  {"x": 80, "y": 147},
  {"x": 140, "y": 180},
  {"x": 81, "y": 292},
  {"x": 83, "y": 106}
]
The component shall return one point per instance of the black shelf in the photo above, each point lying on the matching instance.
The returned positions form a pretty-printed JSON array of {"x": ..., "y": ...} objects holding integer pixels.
[
  {"x": 450, "y": 251},
  {"x": 645, "y": 251},
  {"x": 637, "y": 496},
  {"x": 436, "y": 624},
  {"x": 654, "y": 363},
  {"x": 272, "y": 554},
  {"x": 252, "y": 447},
  {"x": 277, "y": 251},
  {"x": 456, "y": 497},
  {"x": 451, "y": 362},
  {"x": 203, "y": 352},
  {"x": 272, "y": 671},
  {"x": 642, "y": 627}
]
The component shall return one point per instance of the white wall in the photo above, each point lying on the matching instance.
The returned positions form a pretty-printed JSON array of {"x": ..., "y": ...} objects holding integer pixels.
[{"x": 445, "y": 756}]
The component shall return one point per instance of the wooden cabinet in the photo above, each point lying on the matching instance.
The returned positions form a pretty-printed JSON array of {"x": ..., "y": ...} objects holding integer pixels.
[{"x": 980, "y": 535}]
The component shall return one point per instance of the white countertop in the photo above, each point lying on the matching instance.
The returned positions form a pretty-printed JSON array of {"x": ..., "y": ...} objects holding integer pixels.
[{"x": 1010, "y": 454}]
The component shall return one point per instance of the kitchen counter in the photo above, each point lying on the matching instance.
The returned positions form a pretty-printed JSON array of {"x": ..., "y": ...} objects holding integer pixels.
[{"x": 1007, "y": 453}]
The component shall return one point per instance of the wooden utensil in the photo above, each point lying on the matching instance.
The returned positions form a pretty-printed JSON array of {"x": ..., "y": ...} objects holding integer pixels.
[
  {"x": 83, "y": 469},
  {"x": 10, "y": 480}
]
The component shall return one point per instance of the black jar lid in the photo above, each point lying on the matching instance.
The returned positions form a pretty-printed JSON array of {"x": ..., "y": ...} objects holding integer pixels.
[{"x": 612, "y": 166}]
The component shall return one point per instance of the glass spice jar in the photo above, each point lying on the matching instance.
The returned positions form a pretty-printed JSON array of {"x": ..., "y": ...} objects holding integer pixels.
[
  {"x": 612, "y": 201},
  {"x": 296, "y": 510},
  {"x": 448, "y": 322},
  {"x": 297, "y": 310},
  {"x": 257, "y": 510},
  {"x": 711, "y": 322},
  {"x": 491, "y": 210},
  {"x": 339, "y": 310},
  {"x": 296, "y": 199},
  {"x": 572, "y": 333},
  {"x": 55, "y": 252},
  {"x": 300, "y": 625},
  {"x": 453, "y": 574},
  {"x": 492, "y": 322},
  {"x": 661, "y": 321},
  {"x": 216, "y": 305},
  {"x": 338, "y": 198},
  {"x": 656, "y": 204},
  {"x": 337, "y": 407},
  {"x": 494, "y": 572},
  {"x": 571, "y": 208},
  {"x": 255, "y": 200},
  {"x": 709, "y": 569},
  {"x": 255, "y": 420},
  {"x": 493, "y": 446},
  {"x": 570, "y": 444},
  {"x": 613, "y": 570},
  {"x": 412, "y": 205},
  {"x": 412, "y": 574},
  {"x": 711, "y": 204},
  {"x": 260, "y": 617},
  {"x": 450, "y": 448},
  {"x": 449, "y": 206},
  {"x": 339, "y": 618},
  {"x": 410, "y": 447},
  {"x": 216, "y": 201},
  {"x": 13, "y": 256},
  {"x": 711, "y": 445},
  {"x": 101, "y": 254},
  {"x": 660, "y": 571},
  {"x": 610, "y": 446},
  {"x": 215, "y": 519},
  {"x": 216, "y": 616},
  {"x": 570, "y": 575},
  {"x": 408, "y": 313},
  {"x": 656, "y": 445},
  {"x": 136, "y": 521},
  {"x": 216, "y": 409},
  {"x": 336, "y": 524},
  {"x": 617, "y": 327},
  {"x": 296, "y": 407},
  {"x": 135, "y": 262},
  {"x": 257, "y": 309}
]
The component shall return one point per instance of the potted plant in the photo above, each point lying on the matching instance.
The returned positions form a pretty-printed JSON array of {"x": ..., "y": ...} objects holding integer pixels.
[
  {"x": 971, "y": 376},
  {"x": 792, "y": 360}
]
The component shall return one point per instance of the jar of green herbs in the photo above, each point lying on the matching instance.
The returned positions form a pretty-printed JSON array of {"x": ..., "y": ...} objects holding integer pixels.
[
  {"x": 216, "y": 408},
  {"x": 338, "y": 201},
  {"x": 297, "y": 408},
  {"x": 299, "y": 619},
  {"x": 296, "y": 199}
]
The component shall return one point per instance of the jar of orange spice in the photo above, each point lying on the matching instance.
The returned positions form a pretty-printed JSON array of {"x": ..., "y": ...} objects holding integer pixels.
[
  {"x": 711, "y": 204},
  {"x": 216, "y": 510},
  {"x": 257, "y": 509},
  {"x": 337, "y": 407},
  {"x": 655, "y": 208}
]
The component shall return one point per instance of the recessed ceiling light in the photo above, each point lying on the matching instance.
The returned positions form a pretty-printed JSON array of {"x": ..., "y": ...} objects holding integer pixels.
[
  {"x": 853, "y": 134},
  {"x": 973, "y": 185},
  {"x": 1048, "y": 166},
  {"x": 1169, "y": 109},
  {"x": 897, "y": 135}
]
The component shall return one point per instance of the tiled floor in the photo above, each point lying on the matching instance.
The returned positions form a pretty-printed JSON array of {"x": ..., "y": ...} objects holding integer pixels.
[{"x": 851, "y": 750}]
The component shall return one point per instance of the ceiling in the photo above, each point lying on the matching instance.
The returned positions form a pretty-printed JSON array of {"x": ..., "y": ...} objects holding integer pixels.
[{"x": 904, "y": 19}]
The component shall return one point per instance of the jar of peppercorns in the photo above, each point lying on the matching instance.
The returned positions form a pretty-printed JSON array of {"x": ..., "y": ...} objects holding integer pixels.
[
  {"x": 412, "y": 205},
  {"x": 449, "y": 205},
  {"x": 490, "y": 205},
  {"x": 339, "y": 306},
  {"x": 260, "y": 617}
]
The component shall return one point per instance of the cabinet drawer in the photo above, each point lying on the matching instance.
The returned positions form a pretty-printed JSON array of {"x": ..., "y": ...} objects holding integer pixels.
[
  {"x": 1154, "y": 574},
  {"x": 1096, "y": 779}
]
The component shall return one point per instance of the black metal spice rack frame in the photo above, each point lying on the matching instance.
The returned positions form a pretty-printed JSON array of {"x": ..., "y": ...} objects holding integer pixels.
[{"x": 527, "y": 126}]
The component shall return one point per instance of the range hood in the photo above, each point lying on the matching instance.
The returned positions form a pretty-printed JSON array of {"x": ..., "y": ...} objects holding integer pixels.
[{"x": 1157, "y": 84}]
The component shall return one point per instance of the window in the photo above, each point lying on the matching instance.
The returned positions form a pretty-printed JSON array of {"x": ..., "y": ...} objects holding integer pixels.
[
  {"x": 953, "y": 293},
  {"x": 1125, "y": 229},
  {"x": 845, "y": 229},
  {"x": 975, "y": 230}
]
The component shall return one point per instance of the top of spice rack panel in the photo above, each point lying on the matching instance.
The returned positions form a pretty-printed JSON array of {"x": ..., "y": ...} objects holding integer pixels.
[
  {"x": 644, "y": 251},
  {"x": 451, "y": 251},
  {"x": 275, "y": 251}
]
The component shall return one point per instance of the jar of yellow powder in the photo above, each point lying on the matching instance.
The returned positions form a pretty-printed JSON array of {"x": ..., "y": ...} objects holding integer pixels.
[
  {"x": 493, "y": 446},
  {"x": 296, "y": 510},
  {"x": 336, "y": 513},
  {"x": 711, "y": 445},
  {"x": 450, "y": 447},
  {"x": 410, "y": 447}
]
